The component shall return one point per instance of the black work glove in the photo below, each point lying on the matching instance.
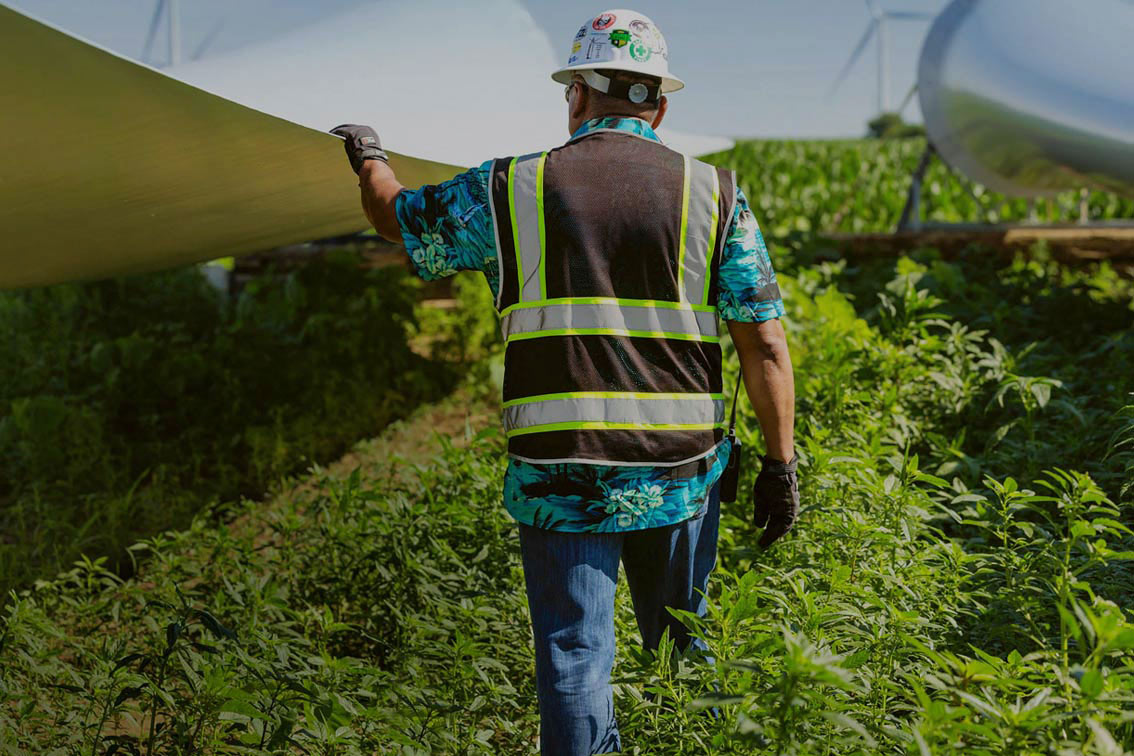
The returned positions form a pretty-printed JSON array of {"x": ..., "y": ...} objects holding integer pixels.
[
  {"x": 361, "y": 144},
  {"x": 775, "y": 498}
]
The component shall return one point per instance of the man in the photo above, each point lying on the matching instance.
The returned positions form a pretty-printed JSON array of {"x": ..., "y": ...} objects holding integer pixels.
[{"x": 610, "y": 258}]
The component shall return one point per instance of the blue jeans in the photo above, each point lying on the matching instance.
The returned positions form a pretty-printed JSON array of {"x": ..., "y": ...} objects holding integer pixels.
[{"x": 571, "y": 579}]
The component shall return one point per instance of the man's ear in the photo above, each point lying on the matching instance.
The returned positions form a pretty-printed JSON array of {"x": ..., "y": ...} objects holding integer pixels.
[
  {"x": 663, "y": 105},
  {"x": 579, "y": 100}
]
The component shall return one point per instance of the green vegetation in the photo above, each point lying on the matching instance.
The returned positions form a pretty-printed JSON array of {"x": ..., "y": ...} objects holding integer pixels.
[
  {"x": 959, "y": 581},
  {"x": 127, "y": 406},
  {"x": 805, "y": 187},
  {"x": 891, "y": 126}
]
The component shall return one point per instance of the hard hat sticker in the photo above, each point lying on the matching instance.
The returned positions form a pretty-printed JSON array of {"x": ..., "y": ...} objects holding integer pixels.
[
  {"x": 648, "y": 33},
  {"x": 639, "y": 51},
  {"x": 604, "y": 22},
  {"x": 621, "y": 40}
]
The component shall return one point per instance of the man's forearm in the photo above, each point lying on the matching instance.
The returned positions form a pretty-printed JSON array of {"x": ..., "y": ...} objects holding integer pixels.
[
  {"x": 379, "y": 197},
  {"x": 769, "y": 381}
]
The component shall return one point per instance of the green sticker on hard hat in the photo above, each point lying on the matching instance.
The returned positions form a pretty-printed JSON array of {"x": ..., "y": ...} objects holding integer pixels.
[
  {"x": 639, "y": 51},
  {"x": 620, "y": 37}
]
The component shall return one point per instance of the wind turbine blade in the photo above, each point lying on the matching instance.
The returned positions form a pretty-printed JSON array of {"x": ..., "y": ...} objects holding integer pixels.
[
  {"x": 862, "y": 43},
  {"x": 159, "y": 6},
  {"x": 906, "y": 101},
  {"x": 875, "y": 11},
  {"x": 909, "y": 16},
  {"x": 208, "y": 40}
]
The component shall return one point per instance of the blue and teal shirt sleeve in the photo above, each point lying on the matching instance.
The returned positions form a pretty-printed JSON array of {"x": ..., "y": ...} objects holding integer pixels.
[
  {"x": 747, "y": 290},
  {"x": 448, "y": 227}
]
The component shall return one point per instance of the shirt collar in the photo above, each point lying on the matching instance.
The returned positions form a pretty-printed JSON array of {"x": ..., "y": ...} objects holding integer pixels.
[{"x": 629, "y": 124}]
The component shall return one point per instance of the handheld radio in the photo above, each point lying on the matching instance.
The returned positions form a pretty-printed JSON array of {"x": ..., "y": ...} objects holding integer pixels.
[{"x": 731, "y": 475}]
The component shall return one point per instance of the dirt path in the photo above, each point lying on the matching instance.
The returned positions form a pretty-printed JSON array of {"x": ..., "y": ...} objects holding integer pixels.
[{"x": 415, "y": 439}]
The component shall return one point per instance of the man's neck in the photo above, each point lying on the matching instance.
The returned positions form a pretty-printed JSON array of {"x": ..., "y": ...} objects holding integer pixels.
[{"x": 616, "y": 115}]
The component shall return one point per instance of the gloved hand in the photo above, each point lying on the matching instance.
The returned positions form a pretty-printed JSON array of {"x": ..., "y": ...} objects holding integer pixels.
[
  {"x": 775, "y": 498},
  {"x": 361, "y": 143}
]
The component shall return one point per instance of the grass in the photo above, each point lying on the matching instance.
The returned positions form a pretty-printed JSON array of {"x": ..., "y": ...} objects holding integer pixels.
[
  {"x": 959, "y": 579},
  {"x": 128, "y": 406}
]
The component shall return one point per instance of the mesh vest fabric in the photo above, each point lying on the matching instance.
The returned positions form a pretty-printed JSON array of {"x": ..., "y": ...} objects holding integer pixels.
[{"x": 608, "y": 251}]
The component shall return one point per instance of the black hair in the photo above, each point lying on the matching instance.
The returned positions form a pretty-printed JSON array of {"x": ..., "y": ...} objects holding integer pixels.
[{"x": 605, "y": 104}]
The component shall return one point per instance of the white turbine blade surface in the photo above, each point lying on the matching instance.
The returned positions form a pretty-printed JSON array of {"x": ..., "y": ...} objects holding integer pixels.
[
  {"x": 111, "y": 167},
  {"x": 151, "y": 170},
  {"x": 445, "y": 92},
  {"x": 858, "y": 50}
]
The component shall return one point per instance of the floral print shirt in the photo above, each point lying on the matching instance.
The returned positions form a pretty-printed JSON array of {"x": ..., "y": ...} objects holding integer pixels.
[{"x": 448, "y": 227}]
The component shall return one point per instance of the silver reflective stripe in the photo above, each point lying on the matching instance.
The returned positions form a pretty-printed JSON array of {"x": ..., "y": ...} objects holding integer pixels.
[
  {"x": 616, "y": 462},
  {"x": 596, "y": 412},
  {"x": 609, "y": 315},
  {"x": 700, "y": 234},
  {"x": 526, "y": 195}
]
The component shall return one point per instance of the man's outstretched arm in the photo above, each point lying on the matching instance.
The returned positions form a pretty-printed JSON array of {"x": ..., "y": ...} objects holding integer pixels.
[
  {"x": 376, "y": 178},
  {"x": 380, "y": 190},
  {"x": 768, "y": 379}
]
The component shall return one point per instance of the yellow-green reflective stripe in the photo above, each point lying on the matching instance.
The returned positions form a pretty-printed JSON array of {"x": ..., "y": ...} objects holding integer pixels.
[
  {"x": 613, "y": 332},
  {"x": 542, "y": 231},
  {"x": 613, "y": 426},
  {"x": 712, "y": 234},
  {"x": 613, "y": 395},
  {"x": 657, "y": 303},
  {"x": 512, "y": 216},
  {"x": 684, "y": 229}
]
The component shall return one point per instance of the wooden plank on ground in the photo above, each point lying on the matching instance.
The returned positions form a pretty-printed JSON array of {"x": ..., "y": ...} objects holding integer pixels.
[{"x": 1066, "y": 243}]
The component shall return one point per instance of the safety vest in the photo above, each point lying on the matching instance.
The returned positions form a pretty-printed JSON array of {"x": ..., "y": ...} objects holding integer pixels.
[{"x": 609, "y": 249}]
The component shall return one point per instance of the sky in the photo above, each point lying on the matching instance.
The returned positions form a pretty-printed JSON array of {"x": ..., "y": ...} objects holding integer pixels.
[{"x": 760, "y": 69}]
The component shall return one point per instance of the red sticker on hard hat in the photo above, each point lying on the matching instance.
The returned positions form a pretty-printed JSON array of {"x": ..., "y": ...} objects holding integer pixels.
[{"x": 603, "y": 22}]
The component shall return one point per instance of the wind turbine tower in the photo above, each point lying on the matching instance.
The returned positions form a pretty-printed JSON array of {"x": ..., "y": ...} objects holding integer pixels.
[
  {"x": 172, "y": 12},
  {"x": 878, "y": 29}
]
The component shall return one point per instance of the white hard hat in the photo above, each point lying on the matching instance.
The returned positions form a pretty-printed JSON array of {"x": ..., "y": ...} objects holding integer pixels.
[{"x": 620, "y": 40}]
